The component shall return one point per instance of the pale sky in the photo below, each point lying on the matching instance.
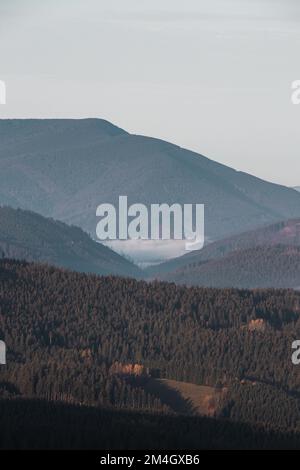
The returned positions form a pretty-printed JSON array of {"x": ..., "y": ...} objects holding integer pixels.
[{"x": 213, "y": 76}]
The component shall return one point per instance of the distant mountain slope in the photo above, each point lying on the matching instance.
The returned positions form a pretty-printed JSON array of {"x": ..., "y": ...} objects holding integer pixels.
[
  {"x": 297, "y": 188},
  {"x": 259, "y": 267},
  {"x": 281, "y": 233},
  {"x": 27, "y": 235},
  {"x": 66, "y": 168}
]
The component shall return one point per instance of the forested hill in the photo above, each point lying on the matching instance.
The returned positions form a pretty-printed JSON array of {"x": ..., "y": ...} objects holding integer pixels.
[
  {"x": 258, "y": 267},
  {"x": 74, "y": 337},
  {"x": 265, "y": 257},
  {"x": 286, "y": 233},
  {"x": 32, "y": 237}
]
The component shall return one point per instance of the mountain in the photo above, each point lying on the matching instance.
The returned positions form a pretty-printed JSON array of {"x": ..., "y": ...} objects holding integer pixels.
[
  {"x": 297, "y": 188},
  {"x": 27, "y": 235},
  {"x": 65, "y": 168},
  {"x": 259, "y": 267},
  {"x": 281, "y": 233}
]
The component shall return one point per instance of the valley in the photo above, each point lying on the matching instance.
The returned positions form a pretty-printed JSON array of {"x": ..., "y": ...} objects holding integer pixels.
[
  {"x": 198, "y": 346},
  {"x": 66, "y": 168}
]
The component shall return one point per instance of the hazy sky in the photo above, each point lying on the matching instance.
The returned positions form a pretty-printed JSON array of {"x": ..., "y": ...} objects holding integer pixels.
[{"x": 210, "y": 75}]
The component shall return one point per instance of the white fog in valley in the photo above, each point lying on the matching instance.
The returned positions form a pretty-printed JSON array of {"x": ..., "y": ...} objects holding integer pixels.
[{"x": 213, "y": 76}]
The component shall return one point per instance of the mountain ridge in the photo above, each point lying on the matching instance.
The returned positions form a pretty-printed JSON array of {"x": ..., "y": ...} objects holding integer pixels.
[
  {"x": 265, "y": 257},
  {"x": 32, "y": 237},
  {"x": 260, "y": 267},
  {"x": 65, "y": 168},
  {"x": 284, "y": 232}
]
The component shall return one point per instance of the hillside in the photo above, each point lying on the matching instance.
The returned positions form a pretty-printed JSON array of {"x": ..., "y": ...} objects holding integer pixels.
[
  {"x": 281, "y": 233},
  {"x": 275, "y": 266},
  {"x": 66, "y": 168},
  {"x": 97, "y": 341},
  {"x": 29, "y": 236}
]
